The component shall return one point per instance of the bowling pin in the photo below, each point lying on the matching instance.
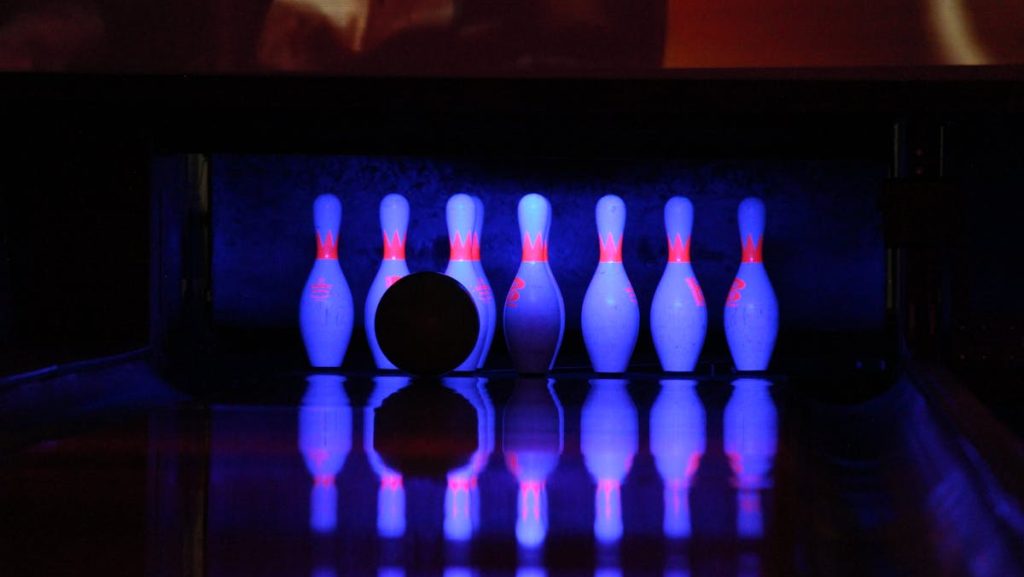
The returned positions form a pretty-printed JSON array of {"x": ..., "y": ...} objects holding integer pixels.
[
  {"x": 679, "y": 318},
  {"x": 611, "y": 317},
  {"x": 394, "y": 224},
  {"x": 534, "y": 315},
  {"x": 325, "y": 310},
  {"x": 483, "y": 286},
  {"x": 461, "y": 215},
  {"x": 751, "y": 311}
]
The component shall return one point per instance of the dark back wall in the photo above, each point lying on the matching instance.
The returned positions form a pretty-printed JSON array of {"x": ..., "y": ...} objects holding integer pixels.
[{"x": 823, "y": 248}]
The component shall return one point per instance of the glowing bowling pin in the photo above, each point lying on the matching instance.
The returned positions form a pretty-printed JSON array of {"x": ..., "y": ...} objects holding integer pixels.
[
  {"x": 611, "y": 317},
  {"x": 609, "y": 438},
  {"x": 483, "y": 287},
  {"x": 325, "y": 439},
  {"x": 534, "y": 315},
  {"x": 677, "y": 443},
  {"x": 394, "y": 224},
  {"x": 679, "y": 318},
  {"x": 325, "y": 310},
  {"x": 461, "y": 214},
  {"x": 751, "y": 311}
]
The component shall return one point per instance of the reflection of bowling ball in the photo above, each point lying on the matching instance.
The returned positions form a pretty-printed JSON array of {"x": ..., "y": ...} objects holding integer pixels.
[
  {"x": 427, "y": 323},
  {"x": 425, "y": 431}
]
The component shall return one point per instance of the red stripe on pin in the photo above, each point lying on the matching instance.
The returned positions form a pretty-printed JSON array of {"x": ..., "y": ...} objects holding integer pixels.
[
  {"x": 461, "y": 248},
  {"x": 394, "y": 248},
  {"x": 326, "y": 248},
  {"x": 678, "y": 251},
  {"x": 611, "y": 249},
  {"x": 751, "y": 250},
  {"x": 534, "y": 250}
]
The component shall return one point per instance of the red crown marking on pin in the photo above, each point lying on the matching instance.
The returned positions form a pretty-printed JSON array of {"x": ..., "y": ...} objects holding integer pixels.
[
  {"x": 678, "y": 251},
  {"x": 326, "y": 249},
  {"x": 475, "y": 255},
  {"x": 534, "y": 249},
  {"x": 461, "y": 248},
  {"x": 394, "y": 247},
  {"x": 392, "y": 482},
  {"x": 611, "y": 249},
  {"x": 752, "y": 250}
]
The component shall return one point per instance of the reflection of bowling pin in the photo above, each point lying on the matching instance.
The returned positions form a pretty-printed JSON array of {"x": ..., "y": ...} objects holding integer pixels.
[
  {"x": 483, "y": 286},
  {"x": 534, "y": 314},
  {"x": 325, "y": 310},
  {"x": 677, "y": 443},
  {"x": 751, "y": 311},
  {"x": 611, "y": 317},
  {"x": 532, "y": 442},
  {"x": 462, "y": 495},
  {"x": 751, "y": 434},
  {"x": 391, "y": 493},
  {"x": 609, "y": 437},
  {"x": 394, "y": 222},
  {"x": 679, "y": 318},
  {"x": 461, "y": 214},
  {"x": 325, "y": 439}
]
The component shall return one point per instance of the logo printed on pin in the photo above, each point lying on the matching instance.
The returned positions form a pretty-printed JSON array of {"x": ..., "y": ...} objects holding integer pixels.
[{"x": 513, "y": 294}]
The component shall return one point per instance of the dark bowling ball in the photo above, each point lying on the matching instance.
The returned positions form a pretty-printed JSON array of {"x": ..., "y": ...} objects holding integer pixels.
[
  {"x": 425, "y": 431},
  {"x": 427, "y": 323}
]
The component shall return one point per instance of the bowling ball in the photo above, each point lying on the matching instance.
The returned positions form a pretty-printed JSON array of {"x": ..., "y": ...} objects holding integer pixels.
[
  {"x": 425, "y": 431},
  {"x": 427, "y": 323}
]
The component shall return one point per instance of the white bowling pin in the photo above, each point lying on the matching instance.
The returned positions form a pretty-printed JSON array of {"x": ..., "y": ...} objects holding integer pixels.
[
  {"x": 534, "y": 314},
  {"x": 611, "y": 317},
  {"x": 325, "y": 310},
  {"x": 751, "y": 311},
  {"x": 483, "y": 287},
  {"x": 461, "y": 215},
  {"x": 679, "y": 318},
  {"x": 394, "y": 224}
]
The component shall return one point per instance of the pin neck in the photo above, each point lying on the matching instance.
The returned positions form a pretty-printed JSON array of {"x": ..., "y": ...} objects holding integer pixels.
[
  {"x": 326, "y": 249},
  {"x": 394, "y": 247},
  {"x": 611, "y": 249},
  {"x": 535, "y": 249},
  {"x": 752, "y": 251},
  {"x": 678, "y": 251},
  {"x": 461, "y": 248}
]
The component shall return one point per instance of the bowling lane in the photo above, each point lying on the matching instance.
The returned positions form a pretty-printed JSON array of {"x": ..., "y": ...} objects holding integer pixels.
[{"x": 329, "y": 475}]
